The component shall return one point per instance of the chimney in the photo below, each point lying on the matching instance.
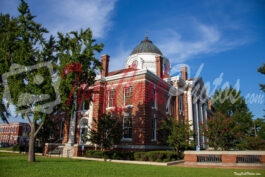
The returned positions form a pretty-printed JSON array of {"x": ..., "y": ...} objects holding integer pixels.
[
  {"x": 105, "y": 65},
  {"x": 159, "y": 66},
  {"x": 184, "y": 73},
  {"x": 210, "y": 104}
]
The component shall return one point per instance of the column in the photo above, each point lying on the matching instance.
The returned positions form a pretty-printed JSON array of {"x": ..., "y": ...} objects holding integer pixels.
[
  {"x": 190, "y": 115},
  {"x": 198, "y": 123},
  {"x": 205, "y": 123},
  {"x": 71, "y": 139}
]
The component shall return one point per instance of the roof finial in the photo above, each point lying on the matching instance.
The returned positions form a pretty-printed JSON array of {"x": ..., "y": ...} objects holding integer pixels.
[{"x": 146, "y": 35}]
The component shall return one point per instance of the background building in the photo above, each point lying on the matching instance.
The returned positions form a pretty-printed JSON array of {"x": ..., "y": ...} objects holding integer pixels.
[{"x": 14, "y": 133}]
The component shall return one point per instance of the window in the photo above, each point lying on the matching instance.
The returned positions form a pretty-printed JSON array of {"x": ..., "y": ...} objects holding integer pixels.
[
  {"x": 154, "y": 128},
  {"x": 128, "y": 95},
  {"x": 86, "y": 105},
  {"x": 181, "y": 103},
  {"x": 83, "y": 125},
  {"x": 127, "y": 127},
  {"x": 154, "y": 98},
  {"x": 111, "y": 98}
]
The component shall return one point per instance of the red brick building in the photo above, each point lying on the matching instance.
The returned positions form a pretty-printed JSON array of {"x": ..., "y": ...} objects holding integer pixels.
[
  {"x": 141, "y": 95},
  {"x": 14, "y": 133}
]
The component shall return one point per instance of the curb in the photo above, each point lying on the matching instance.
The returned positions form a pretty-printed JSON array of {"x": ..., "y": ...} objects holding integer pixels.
[{"x": 131, "y": 161}]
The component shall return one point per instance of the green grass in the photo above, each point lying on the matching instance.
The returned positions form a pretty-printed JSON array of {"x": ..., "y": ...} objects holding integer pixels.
[
  {"x": 7, "y": 148},
  {"x": 16, "y": 165}
]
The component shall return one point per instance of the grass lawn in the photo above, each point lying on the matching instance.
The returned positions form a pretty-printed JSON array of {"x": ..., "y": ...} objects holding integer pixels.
[{"x": 16, "y": 165}]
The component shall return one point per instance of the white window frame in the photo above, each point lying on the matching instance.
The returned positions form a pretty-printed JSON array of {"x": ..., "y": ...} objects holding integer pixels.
[
  {"x": 109, "y": 94},
  {"x": 154, "y": 124},
  {"x": 130, "y": 128},
  {"x": 124, "y": 95},
  {"x": 181, "y": 103},
  {"x": 154, "y": 95}
]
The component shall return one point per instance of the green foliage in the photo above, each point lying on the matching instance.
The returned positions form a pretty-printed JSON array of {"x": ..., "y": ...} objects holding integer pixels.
[
  {"x": 76, "y": 47},
  {"x": 261, "y": 69},
  {"x": 22, "y": 43},
  {"x": 110, "y": 155},
  {"x": 158, "y": 156},
  {"x": 107, "y": 131},
  {"x": 232, "y": 121},
  {"x": 252, "y": 143},
  {"x": 260, "y": 127},
  {"x": 177, "y": 134},
  {"x": 221, "y": 132},
  {"x": 153, "y": 156}
]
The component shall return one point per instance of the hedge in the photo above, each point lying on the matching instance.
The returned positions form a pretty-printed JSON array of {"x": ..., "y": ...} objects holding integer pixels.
[
  {"x": 158, "y": 156},
  {"x": 154, "y": 156},
  {"x": 110, "y": 155}
]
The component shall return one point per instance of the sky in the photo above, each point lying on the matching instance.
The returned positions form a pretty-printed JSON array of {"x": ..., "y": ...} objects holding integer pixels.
[{"x": 226, "y": 38}]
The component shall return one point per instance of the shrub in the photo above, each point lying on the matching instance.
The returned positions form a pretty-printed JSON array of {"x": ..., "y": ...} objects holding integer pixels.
[
  {"x": 158, "y": 156},
  {"x": 154, "y": 156},
  {"x": 110, "y": 155}
]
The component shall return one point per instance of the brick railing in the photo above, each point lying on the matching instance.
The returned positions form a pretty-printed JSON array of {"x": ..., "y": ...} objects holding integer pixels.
[{"x": 225, "y": 157}]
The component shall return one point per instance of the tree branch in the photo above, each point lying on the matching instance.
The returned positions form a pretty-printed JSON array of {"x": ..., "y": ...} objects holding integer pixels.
[
  {"x": 36, "y": 132},
  {"x": 30, "y": 122}
]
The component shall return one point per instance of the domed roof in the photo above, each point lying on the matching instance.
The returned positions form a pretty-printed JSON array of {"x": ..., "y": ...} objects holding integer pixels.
[{"x": 146, "y": 46}]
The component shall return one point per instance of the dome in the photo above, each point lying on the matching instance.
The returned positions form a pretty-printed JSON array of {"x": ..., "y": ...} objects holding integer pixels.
[{"x": 146, "y": 46}]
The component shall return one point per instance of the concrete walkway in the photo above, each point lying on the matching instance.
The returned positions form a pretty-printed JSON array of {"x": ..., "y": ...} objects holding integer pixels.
[{"x": 132, "y": 161}]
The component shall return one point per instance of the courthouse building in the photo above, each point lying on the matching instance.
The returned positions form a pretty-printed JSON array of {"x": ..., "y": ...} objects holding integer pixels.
[{"x": 140, "y": 96}]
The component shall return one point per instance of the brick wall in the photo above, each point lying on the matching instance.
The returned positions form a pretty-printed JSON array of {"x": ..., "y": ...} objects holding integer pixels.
[
  {"x": 229, "y": 158},
  {"x": 190, "y": 158}
]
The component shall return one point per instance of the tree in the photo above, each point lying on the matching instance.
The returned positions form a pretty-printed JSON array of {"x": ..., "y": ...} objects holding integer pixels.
[
  {"x": 232, "y": 111},
  {"x": 8, "y": 30},
  {"x": 261, "y": 69},
  {"x": 78, "y": 64},
  {"x": 220, "y": 132},
  {"x": 25, "y": 56},
  {"x": 177, "y": 134},
  {"x": 106, "y": 133},
  {"x": 259, "y": 127},
  {"x": 230, "y": 103},
  {"x": 32, "y": 68}
]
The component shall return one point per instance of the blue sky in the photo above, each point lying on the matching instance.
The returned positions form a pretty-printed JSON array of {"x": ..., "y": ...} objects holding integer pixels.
[{"x": 228, "y": 37}]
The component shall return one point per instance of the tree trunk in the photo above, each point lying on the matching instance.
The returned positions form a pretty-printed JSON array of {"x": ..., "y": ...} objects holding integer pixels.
[{"x": 31, "y": 153}]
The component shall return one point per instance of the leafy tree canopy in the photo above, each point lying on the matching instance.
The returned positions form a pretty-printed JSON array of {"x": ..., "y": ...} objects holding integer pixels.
[{"x": 32, "y": 67}]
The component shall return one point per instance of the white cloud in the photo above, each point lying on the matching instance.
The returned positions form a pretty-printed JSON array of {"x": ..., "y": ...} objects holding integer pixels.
[
  {"x": 68, "y": 15},
  {"x": 118, "y": 60},
  {"x": 71, "y": 15},
  {"x": 207, "y": 40},
  {"x": 203, "y": 39}
]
